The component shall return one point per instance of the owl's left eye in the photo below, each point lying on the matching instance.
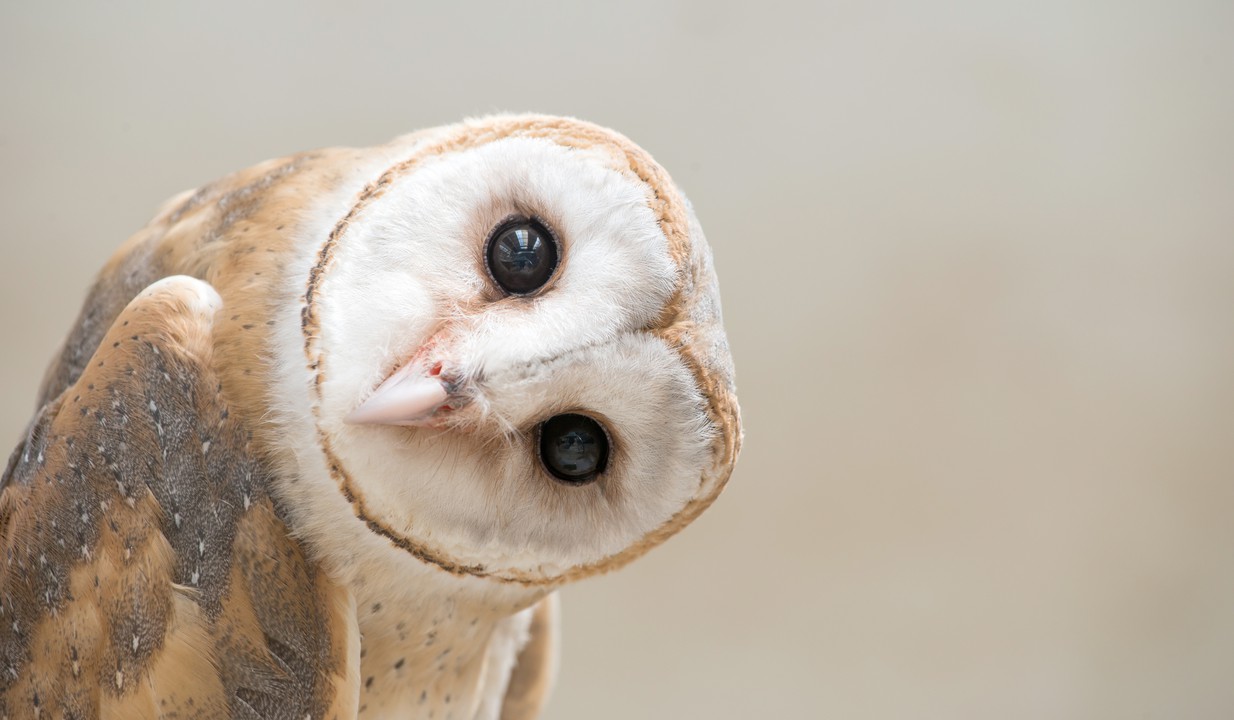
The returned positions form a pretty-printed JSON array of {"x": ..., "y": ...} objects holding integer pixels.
[{"x": 521, "y": 256}]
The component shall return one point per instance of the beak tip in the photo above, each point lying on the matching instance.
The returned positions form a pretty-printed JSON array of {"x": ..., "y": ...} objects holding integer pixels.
[
  {"x": 407, "y": 401},
  {"x": 355, "y": 417}
]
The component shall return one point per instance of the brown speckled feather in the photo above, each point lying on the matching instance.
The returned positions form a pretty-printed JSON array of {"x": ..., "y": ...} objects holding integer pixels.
[{"x": 146, "y": 571}]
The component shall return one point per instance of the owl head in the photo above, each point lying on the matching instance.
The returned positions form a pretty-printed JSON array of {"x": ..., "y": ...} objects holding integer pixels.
[{"x": 516, "y": 368}]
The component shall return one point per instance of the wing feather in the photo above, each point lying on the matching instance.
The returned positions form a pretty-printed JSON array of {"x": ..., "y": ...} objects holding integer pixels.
[{"x": 146, "y": 571}]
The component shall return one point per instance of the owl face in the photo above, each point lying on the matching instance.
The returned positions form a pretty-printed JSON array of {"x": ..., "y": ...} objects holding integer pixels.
[{"x": 497, "y": 382}]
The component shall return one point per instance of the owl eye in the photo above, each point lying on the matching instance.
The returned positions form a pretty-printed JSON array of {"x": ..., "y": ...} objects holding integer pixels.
[
  {"x": 573, "y": 448},
  {"x": 521, "y": 257}
]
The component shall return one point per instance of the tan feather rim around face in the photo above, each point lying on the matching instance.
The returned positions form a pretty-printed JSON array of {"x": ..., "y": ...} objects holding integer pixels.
[{"x": 670, "y": 208}]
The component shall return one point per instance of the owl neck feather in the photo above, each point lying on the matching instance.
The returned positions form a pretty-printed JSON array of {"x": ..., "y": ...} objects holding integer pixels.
[{"x": 435, "y": 643}]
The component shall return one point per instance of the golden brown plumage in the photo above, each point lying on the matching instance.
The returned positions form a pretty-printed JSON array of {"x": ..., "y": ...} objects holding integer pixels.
[{"x": 147, "y": 568}]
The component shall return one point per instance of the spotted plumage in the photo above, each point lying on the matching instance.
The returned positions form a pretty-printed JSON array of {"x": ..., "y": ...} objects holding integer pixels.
[
  {"x": 147, "y": 570},
  {"x": 294, "y": 459}
]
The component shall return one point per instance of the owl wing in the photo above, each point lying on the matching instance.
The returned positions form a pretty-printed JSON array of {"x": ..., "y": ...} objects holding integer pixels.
[{"x": 146, "y": 569}]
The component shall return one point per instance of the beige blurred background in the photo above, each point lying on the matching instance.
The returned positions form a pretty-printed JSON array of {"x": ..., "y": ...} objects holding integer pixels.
[{"x": 978, "y": 272}]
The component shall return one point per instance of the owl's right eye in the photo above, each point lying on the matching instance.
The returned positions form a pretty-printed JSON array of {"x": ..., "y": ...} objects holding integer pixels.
[
  {"x": 573, "y": 448},
  {"x": 521, "y": 256}
]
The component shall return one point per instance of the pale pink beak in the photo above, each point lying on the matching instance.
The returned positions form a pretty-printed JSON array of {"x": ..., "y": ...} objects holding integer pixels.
[{"x": 408, "y": 397}]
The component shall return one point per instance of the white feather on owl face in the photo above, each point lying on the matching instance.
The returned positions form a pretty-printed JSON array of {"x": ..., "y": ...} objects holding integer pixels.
[{"x": 406, "y": 287}]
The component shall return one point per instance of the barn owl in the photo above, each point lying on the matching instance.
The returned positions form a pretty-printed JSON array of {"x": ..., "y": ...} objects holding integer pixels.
[{"x": 330, "y": 432}]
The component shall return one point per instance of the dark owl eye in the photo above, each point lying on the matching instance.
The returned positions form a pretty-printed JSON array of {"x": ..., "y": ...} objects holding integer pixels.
[
  {"x": 521, "y": 256},
  {"x": 574, "y": 448}
]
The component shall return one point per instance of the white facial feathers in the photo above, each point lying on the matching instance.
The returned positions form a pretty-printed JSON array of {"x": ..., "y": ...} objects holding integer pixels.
[{"x": 406, "y": 287}]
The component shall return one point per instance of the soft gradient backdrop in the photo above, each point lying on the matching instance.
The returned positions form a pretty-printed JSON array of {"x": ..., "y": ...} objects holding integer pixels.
[{"x": 978, "y": 272}]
